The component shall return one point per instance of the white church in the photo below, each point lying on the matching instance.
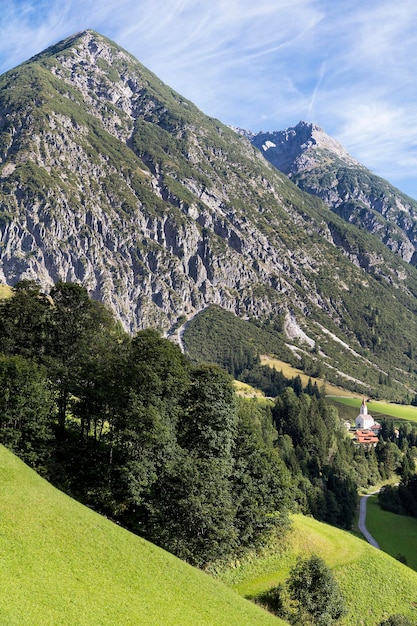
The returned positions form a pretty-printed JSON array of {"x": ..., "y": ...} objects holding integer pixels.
[
  {"x": 367, "y": 428},
  {"x": 364, "y": 421}
]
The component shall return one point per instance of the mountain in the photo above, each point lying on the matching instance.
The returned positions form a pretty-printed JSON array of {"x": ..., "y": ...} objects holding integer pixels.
[
  {"x": 111, "y": 179},
  {"x": 321, "y": 166}
]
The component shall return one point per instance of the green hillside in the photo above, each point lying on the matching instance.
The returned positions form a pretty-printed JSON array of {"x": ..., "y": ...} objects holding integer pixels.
[
  {"x": 380, "y": 409},
  {"x": 375, "y": 585},
  {"x": 61, "y": 563},
  {"x": 395, "y": 534}
]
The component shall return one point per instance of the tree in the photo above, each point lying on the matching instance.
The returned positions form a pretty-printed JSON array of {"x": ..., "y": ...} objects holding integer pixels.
[
  {"x": 261, "y": 483},
  {"x": 192, "y": 510},
  {"x": 78, "y": 331},
  {"x": 389, "y": 457},
  {"x": 208, "y": 424},
  {"x": 200, "y": 497},
  {"x": 24, "y": 321},
  {"x": 25, "y": 409},
  {"x": 389, "y": 499},
  {"x": 315, "y": 590}
]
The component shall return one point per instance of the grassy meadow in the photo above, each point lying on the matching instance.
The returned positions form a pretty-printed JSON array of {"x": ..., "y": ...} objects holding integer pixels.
[
  {"x": 247, "y": 391},
  {"x": 61, "y": 563},
  {"x": 290, "y": 372},
  {"x": 5, "y": 291},
  {"x": 380, "y": 409},
  {"x": 375, "y": 585},
  {"x": 395, "y": 534}
]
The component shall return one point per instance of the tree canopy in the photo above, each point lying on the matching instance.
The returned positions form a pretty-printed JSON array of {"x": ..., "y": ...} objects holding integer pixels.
[{"x": 132, "y": 428}]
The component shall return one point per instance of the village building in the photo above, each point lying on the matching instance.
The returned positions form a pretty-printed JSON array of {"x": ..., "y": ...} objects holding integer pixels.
[
  {"x": 364, "y": 421},
  {"x": 365, "y": 438},
  {"x": 367, "y": 429}
]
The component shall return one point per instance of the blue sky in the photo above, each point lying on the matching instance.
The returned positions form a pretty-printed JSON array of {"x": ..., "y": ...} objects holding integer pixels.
[{"x": 348, "y": 65}]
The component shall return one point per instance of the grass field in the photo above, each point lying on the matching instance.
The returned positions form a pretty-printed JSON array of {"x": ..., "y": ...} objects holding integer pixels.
[
  {"x": 374, "y": 584},
  {"x": 61, "y": 563},
  {"x": 395, "y": 534},
  {"x": 347, "y": 402},
  {"x": 381, "y": 409},
  {"x": 247, "y": 391},
  {"x": 290, "y": 372}
]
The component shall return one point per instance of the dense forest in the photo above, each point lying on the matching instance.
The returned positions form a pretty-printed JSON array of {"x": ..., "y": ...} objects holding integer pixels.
[{"x": 162, "y": 445}]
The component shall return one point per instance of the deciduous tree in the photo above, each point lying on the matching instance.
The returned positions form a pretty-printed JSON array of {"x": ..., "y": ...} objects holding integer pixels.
[
  {"x": 26, "y": 405},
  {"x": 312, "y": 585}
]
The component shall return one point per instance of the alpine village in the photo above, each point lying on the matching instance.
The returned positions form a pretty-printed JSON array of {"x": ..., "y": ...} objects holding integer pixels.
[{"x": 208, "y": 366}]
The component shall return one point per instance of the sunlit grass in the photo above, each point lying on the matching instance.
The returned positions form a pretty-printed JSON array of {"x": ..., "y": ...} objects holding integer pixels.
[
  {"x": 395, "y": 534},
  {"x": 374, "y": 584},
  {"x": 61, "y": 563},
  {"x": 5, "y": 292},
  {"x": 245, "y": 390},
  {"x": 383, "y": 409},
  {"x": 290, "y": 372}
]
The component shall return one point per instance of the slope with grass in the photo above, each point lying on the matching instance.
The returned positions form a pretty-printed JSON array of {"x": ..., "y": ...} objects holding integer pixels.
[
  {"x": 380, "y": 409},
  {"x": 5, "y": 291},
  {"x": 374, "y": 584},
  {"x": 63, "y": 564},
  {"x": 290, "y": 371},
  {"x": 396, "y": 534}
]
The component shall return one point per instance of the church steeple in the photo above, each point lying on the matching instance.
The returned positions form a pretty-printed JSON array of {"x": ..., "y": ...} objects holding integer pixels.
[
  {"x": 364, "y": 408},
  {"x": 364, "y": 421}
]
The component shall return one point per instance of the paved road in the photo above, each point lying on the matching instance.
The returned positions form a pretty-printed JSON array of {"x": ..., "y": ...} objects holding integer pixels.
[{"x": 362, "y": 521}]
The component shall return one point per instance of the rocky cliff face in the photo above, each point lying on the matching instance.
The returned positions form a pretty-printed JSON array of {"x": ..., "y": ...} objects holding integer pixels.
[
  {"x": 112, "y": 180},
  {"x": 321, "y": 166},
  {"x": 80, "y": 204}
]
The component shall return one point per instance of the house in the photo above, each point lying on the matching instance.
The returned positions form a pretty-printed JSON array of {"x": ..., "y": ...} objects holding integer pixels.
[{"x": 365, "y": 438}]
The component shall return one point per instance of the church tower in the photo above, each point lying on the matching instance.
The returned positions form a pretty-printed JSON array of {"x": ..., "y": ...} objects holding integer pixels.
[{"x": 364, "y": 421}]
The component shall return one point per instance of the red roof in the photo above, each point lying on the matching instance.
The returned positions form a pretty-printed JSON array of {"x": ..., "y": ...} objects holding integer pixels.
[{"x": 366, "y": 436}]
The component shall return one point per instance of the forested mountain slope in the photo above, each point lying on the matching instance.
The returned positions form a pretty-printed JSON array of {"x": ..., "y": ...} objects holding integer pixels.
[{"x": 111, "y": 179}]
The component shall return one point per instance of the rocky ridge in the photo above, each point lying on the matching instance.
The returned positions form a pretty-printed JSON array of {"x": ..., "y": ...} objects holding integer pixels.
[
  {"x": 111, "y": 179},
  {"x": 75, "y": 169},
  {"x": 320, "y": 165}
]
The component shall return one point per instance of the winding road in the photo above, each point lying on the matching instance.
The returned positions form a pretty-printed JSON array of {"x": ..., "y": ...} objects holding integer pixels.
[{"x": 362, "y": 521}]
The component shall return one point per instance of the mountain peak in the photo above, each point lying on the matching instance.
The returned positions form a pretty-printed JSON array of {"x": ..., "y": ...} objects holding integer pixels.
[
  {"x": 300, "y": 147},
  {"x": 321, "y": 166},
  {"x": 113, "y": 180},
  {"x": 87, "y": 44}
]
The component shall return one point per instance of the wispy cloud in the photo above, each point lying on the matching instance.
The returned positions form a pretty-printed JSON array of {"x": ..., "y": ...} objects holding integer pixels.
[{"x": 349, "y": 65}]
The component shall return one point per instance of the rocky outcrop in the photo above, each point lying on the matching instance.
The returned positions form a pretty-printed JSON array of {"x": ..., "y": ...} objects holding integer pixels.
[
  {"x": 320, "y": 165},
  {"x": 92, "y": 192}
]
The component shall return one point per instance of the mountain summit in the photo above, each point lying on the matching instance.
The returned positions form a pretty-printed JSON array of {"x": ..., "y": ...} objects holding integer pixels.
[
  {"x": 300, "y": 148},
  {"x": 111, "y": 179},
  {"x": 321, "y": 166}
]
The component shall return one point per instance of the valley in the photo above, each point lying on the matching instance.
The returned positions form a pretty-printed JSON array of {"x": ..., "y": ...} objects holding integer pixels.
[{"x": 189, "y": 316}]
